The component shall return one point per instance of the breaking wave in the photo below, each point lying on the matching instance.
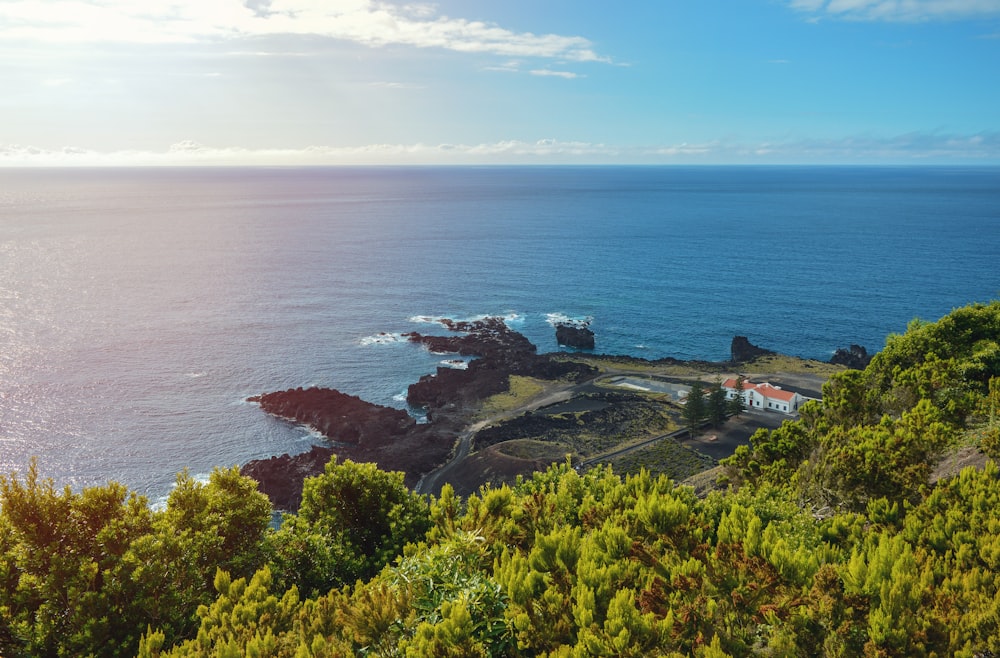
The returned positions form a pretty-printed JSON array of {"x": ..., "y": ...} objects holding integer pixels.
[
  {"x": 383, "y": 338},
  {"x": 556, "y": 319}
]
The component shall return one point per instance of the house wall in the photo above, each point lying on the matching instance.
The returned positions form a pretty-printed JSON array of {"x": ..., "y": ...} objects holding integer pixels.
[
  {"x": 753, "y": 399},
  {"x": 778, "y": 405}
]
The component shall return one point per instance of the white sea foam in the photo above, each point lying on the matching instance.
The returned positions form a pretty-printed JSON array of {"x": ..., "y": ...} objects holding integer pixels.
[
  {"x": 427, "y": 319},
  {"x": 400, "y": 397},
  {"x": 382, "y": 338},
  {"x": 457, "y": 364},
  {"x": 509, "y": 317},
  {"x": 314, "y": 436},
  {"x": 556, "y": 319}
]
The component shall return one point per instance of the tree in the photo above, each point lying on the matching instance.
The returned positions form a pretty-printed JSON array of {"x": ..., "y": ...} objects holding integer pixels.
[
  {"x": 60, "y": 567},
  {"x": 205, "y": 527},
  {"x": 717, "y": 405},
  {"x": 246, "y": 619},
  {"x": 695, "y": 407},
  {"x": 736, "y": 407},
  {"x": 353, "y": 520},
  {"x": 989, "y": 442},
  {"x": 892, "y": 459}
]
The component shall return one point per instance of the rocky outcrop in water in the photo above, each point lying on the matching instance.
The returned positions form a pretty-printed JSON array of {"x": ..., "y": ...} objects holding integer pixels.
[
  {"x": 743, "y": 350},
  {"x": 502, "y": 352},
  {"x": 855, "y": 357},
  {"x": 337, "y": 416},
  {"x": 578, "y": 336},
  {"x": 357, "y": 429}
]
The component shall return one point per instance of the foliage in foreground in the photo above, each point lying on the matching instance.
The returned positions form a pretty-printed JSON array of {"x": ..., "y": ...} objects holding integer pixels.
[
  {"x": 835, "y": 544},
  {"x": 590, "y": 565}
]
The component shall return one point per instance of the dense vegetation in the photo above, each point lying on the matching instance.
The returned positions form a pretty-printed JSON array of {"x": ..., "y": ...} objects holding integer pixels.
[{"x": 831, "y": 540}]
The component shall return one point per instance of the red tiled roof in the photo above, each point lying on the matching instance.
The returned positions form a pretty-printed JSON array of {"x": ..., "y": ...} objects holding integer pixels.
[
  {"x": 765, "y": 389},
  {"x": 769, "y": 391}
]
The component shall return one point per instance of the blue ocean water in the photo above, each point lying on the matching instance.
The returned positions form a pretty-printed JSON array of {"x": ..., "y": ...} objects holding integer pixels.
[{"x": 140, "y": 307}]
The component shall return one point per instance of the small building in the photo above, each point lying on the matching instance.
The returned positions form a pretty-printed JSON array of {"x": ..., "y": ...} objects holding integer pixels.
[{"x": 765, "y": 396}]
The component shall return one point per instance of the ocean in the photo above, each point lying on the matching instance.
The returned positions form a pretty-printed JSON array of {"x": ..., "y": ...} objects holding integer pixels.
[{"x": 139, "y": 308}]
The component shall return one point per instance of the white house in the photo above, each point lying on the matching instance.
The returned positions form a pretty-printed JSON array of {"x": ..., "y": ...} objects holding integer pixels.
[{"x": 765, "y": 396}]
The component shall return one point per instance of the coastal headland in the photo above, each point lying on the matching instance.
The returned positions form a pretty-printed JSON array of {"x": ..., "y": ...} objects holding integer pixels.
[{"x": 513, "y": 411}]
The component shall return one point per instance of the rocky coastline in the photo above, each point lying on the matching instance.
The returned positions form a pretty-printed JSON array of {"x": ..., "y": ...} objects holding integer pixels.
[
  {"x": 363, "y": 431},
  {"x": 391, "y": 438}
]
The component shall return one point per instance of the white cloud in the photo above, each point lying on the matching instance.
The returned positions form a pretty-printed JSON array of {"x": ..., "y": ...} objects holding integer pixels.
[
  {"x": 911, "y": 148},
  {"x": 512, "y": 66},
  {"x": 361, "y": 21},
  {"x": 898, "y": 10},
  {"x": 569, "y": 75}
]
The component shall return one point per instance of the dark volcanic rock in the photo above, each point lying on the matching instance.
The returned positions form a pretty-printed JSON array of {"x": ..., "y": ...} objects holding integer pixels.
[
  {"x": 449, "y": 389},
  {"x": 337, "y": 416},
  {"x": 616, "y": 415},
  {"x": 489, "y": 338},
  {"x": 855, "y": 357},
  {"x": 281, "y": 478},
  {"x": 743, "y": 350},
  {"x": 502, "y": 352},
  {"x": 572, "y": 335}
]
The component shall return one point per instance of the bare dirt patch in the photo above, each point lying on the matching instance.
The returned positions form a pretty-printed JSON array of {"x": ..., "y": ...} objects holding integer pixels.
[{"x": 961, "y": 458}]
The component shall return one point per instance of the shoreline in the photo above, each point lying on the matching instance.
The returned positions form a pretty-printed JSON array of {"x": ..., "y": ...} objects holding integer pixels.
[{"x": 487, "y": 423}]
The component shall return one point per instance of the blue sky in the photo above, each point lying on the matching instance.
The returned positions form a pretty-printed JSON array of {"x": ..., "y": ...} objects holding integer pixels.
[{"x": 470, "y": 81}]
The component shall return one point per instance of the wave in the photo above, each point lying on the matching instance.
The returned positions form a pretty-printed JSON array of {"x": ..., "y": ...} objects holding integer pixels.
[
  {"x": 556, "y": 319},
  {"x": 457, "y": 364},
  {"x": 427, "y": 319},
  {"x": 383, "y": 338},
  {"x": 510, "y": 317}
]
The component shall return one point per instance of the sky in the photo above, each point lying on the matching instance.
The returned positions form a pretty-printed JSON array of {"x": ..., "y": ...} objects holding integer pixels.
[{"x": 304, "y": 82}]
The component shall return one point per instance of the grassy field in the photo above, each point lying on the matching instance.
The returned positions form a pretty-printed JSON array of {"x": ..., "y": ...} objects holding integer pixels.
[
  {"x": 606, "y": 364},
  {"x": 522, "y": 390},
  {"x": 666, "y": 457},
  {"x": 533, "y": 450},
  {"x": 770, "y": 364},
  {"x": 779, "y": 363}
]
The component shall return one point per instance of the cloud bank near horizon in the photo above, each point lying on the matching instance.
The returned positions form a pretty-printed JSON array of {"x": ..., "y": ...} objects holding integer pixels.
[
  {"x": 366, "y": 22},
  {"x": 914, "y": 148}
]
